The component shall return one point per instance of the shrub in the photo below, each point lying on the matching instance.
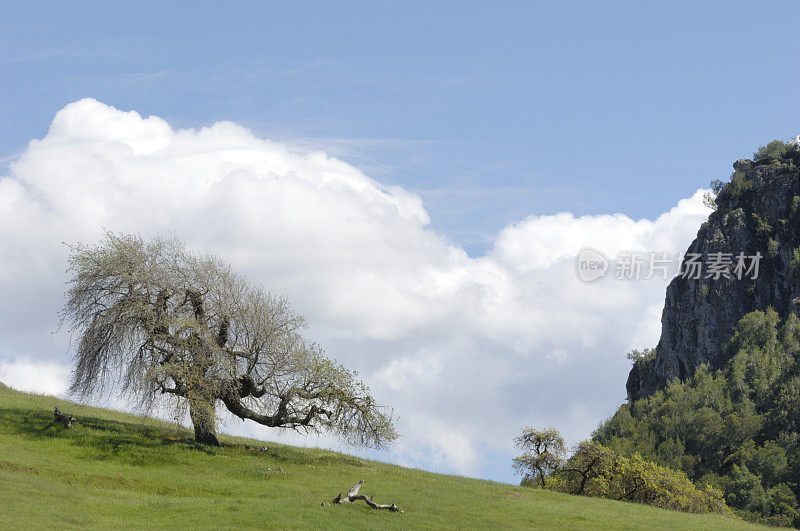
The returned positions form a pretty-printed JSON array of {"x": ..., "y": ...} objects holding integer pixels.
[
  {"x": 646, "y": 482},
  {"x": 746, "y": 492},
  {"x": 710, "y": 200},
  {"x": 795, "y": 264},
  {"x": 772, "y": 248},
  {"x": 596, "y": 471},
  {"x": 761, "y": 225},
  {"x": 641, "y": 356},
  {"x": 773, "y": 152},
  {"x": 739, "y": 184}
]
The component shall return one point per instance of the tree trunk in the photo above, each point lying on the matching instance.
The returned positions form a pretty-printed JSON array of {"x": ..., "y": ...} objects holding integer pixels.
[{"x": 204, "y": 421}]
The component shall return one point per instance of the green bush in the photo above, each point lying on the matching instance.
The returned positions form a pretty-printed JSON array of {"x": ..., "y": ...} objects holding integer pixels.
[
  {"x": 739, "y": 184},
  {"x": 794, "y": 266},
  {"x": 761, "y": 225},
  {"x": 641, "y": 356},
  {"x": 772, "y": 248},
  {"x": 773, "y": 152},
  {"x": 596, "y": 471}
]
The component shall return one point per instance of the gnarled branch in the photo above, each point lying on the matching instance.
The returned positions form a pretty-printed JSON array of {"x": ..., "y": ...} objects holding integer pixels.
[
  {"x": 281, "y": 419},
  {"x": 63, "y": 419},
  {"x": 353, "y": 495}
]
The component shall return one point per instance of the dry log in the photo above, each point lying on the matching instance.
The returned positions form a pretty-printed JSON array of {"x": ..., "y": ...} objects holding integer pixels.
[
  {"x": 353, "y": 495},
  {"x": 63, "y": 419}
]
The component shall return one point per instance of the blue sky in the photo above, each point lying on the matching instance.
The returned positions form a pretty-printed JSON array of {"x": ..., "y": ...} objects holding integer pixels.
[
  {"x": 490, "y": 112},
  {"x": 497, "y": 116}
]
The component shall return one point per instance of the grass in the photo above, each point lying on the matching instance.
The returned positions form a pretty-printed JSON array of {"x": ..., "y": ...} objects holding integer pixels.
[{"x": 118, "y": 470}]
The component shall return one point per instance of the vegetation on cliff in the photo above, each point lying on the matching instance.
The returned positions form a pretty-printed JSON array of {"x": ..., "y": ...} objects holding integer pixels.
[
  {"x": 714, "y": 409},
  {"x": 736, "y": 428}
]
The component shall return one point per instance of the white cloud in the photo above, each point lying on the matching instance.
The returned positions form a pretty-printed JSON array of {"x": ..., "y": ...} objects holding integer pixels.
[
  {"x": 33, "y": 376},
  {"x": 466, "y": 350}
]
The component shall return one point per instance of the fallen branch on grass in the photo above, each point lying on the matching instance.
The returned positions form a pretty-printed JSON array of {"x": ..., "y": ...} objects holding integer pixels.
[
  {"x": 353, "y": 495},
  {"x": 63, "y": 419}
]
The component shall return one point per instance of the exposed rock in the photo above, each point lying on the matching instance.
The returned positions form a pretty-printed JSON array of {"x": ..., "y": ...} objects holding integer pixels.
[
  {"x": 758, "y": 211},
  {"x": 742, "y": 165}
]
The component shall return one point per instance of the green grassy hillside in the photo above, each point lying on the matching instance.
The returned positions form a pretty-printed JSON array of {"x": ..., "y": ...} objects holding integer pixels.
[{"x": 118, "y": 470}]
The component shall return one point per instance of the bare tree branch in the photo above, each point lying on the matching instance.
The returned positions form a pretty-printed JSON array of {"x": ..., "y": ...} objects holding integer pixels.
[{"x": 353, "y": 495}]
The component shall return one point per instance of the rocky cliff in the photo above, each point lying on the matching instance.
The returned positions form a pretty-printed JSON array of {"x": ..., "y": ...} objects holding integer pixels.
[{"x": 758, "y": 211}]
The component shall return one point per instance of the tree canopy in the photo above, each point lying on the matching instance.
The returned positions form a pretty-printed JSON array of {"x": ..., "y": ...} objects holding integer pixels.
[
  {"x": 737, "y": 428},
  {"x": 543, "y": 452},
  {"x": 154, "y": 318}
]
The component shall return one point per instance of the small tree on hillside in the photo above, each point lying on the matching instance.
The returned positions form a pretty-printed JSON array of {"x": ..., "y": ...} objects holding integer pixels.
[
  {"x": 155, "y": 318},
  {"x": 543, "y": 453},
  {"x": 590, "y": 460}
]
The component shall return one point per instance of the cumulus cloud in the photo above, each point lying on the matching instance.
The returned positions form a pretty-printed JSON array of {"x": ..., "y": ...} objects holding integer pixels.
[
  {"x": 466, "y": 350},
  {"x": 34, "y": 376}
]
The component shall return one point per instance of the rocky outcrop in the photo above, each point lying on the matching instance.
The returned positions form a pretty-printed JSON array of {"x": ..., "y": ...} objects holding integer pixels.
[{"x": 758, "y": 211}]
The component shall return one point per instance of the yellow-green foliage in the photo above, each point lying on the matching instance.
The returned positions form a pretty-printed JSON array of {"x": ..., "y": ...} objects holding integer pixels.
[
  {"x": 761, "y": 225},
  {"x": 642, "y": 356},
  {"x": 737, "y": 428},
  {"x": 772, "y": 248},
  {"x": 795, "y": 264},
  {"x": 643, "y": 481},
  {"x": 596, "y": 471},
  {"x": 773, "y": 152},
  {"x": 543, "y": 452},
  {"x": 739, "y": 184}
]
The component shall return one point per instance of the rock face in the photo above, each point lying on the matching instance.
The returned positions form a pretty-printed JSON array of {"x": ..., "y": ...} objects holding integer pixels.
[{"x": 757, "y": 212}]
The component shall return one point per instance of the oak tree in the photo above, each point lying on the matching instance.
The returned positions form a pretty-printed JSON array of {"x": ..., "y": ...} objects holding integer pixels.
[
  {"x": 543, "y": 453},
  {"x": 154, "y": 318}
]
